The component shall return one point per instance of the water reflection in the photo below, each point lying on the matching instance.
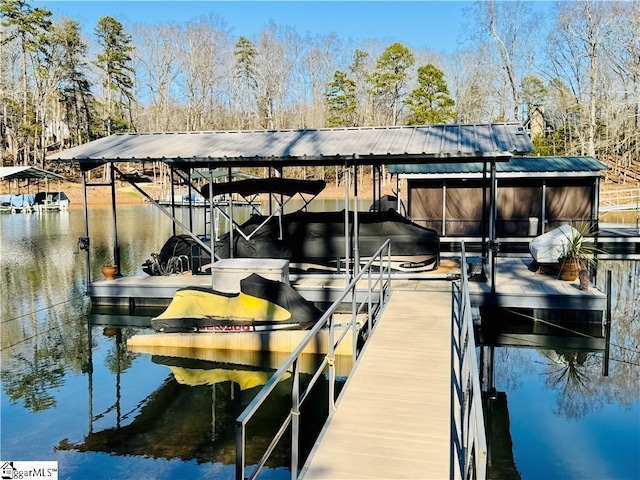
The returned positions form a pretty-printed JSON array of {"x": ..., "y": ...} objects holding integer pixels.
[
  {"x": 189, "y": 416},
  {"x": 72, "y": 391},
  {"x": 553, "y": 374}
]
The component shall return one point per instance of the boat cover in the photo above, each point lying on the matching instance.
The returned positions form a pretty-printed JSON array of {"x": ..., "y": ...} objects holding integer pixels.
[
  {"x": 41, "y": 197},
  {"x": 176, "y": 247},
  {"x": 267, "y": 304},
  {"x": 320, "y": 237},
  {"x": 283, "y": 186},
  {"x": 18, "y": 201},
  {"x": 550, "y": 246}
]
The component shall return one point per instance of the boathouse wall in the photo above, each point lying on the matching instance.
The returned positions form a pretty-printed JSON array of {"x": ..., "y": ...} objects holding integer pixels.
[{"x": 528, "y": 203}]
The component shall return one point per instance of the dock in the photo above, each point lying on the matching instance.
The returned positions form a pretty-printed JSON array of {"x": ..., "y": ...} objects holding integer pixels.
[
  {"x": 394, "y": 418},
  {"x": 516, "y": 286}
]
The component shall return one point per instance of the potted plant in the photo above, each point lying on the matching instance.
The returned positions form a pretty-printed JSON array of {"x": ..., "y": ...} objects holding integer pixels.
[
  {"x": 109, "y": 271},
  {"x": 577, "y": 254}
]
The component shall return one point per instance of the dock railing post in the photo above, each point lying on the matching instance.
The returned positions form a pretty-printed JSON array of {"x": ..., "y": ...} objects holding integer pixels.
[
  {"x": 607, "y": 328},
  {"x": 295, "y": 419}
]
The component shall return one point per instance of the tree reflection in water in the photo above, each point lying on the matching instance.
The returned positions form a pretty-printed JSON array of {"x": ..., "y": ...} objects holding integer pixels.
[{"x": 571, "y": 373}]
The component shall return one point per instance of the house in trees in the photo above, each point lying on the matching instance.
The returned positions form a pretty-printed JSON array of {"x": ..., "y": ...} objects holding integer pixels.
[
  {"x": 533, "y": 195},
  {"x": 537, "y": 123}
]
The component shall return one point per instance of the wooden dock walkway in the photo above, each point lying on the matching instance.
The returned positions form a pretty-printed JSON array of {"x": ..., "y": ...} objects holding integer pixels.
[{"x": 394, "y": 418}]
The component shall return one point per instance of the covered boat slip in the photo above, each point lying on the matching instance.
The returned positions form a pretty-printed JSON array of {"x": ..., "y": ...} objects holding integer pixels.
[
  {"x": 25, "y": 199},
  {"x": 347, "y": 148}
]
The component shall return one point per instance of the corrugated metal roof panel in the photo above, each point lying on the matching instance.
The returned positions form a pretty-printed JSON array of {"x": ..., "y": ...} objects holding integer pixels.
[
  {"x": 514, "y": 165},
  {"x": 391, "y": 144},
  {"x": 23, "y": 173}
]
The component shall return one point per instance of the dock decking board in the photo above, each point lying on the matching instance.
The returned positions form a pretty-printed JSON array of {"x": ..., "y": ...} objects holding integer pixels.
[
  {"x": 393, "y": 421},
  {"x": 519, "y": 287}
]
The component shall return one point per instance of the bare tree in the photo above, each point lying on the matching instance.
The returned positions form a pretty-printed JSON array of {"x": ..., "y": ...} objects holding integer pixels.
[
  {"x": 622, "y": 49},
  {"x": 509, "y": 26},
  {"x": 158, "y": 60},
  {"x": 581, "y": 29},
  {"x": 472, "y": 86},
  {"x": 203, "y": 46}
]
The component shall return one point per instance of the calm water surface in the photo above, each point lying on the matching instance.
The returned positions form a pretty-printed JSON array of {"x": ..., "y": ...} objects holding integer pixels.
[{"x": 72, "y": 392}]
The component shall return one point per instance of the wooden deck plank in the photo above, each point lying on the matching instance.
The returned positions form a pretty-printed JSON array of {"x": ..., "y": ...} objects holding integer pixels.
[{"x": 393, "y": 421}]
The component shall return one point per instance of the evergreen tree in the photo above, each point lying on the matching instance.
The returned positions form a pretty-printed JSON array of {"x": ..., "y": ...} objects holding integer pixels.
[
  {"x": 115, "y": 61},
  {"x": 29, "y": 26},
  {"x": 358, "y": 69},
  {"x": 68, "y": 53},
  {"x": 430, "y": 103},
  {"x": 390, "y": 78},
  {"x": 246, "y": 69},
  {"x": 341, "y": 101}
]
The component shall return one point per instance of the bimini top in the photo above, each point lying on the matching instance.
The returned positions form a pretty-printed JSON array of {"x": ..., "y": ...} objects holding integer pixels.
[
  {"x": 515, "y": 167},
  {"x": 253, "y": 186},
  {"x": 331, "y": 146}
]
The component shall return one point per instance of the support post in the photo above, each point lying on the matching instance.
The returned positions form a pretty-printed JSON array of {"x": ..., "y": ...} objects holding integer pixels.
[
  {"x": 493, "y": 245},
  {"x": 347, "y": 236},
  {"x": 356, "y": 236},
  {"x": 116, "y": 246},
  {"x": 605, "y": 365},
  {"x": 85, "y": 206}
]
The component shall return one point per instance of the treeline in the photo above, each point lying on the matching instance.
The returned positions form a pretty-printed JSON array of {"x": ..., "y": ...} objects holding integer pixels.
[{"x": 577, "y": 87}]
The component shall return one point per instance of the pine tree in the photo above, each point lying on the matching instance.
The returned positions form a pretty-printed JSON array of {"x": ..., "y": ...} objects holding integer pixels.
[
  {"x": 341, "y": 101},
  {"x": 390, "y": 78},
  {"x": 68, "y": 54},
  {"x": 29, "y": 26},
  {"x": 430, "y": 103},
  {"x": 115, "y": 61}
]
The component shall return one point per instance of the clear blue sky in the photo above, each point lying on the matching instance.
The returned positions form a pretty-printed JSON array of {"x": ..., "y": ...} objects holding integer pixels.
[{"x": 434, "y": 25}]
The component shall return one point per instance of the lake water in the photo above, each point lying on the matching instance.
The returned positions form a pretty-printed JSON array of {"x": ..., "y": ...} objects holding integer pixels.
[{"x": 72, "y": 392}]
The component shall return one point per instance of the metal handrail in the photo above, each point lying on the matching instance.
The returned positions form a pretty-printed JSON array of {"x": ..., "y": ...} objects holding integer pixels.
[
  {"x": 380, "y": 285},
  {"x": 469, "y": 441}
]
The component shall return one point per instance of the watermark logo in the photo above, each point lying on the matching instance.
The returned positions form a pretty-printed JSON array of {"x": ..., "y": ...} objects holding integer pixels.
[{"x": 28, "y": 470}]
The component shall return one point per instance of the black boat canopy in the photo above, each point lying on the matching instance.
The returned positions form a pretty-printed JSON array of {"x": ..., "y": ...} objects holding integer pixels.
[{"x": 277, "y": 185}]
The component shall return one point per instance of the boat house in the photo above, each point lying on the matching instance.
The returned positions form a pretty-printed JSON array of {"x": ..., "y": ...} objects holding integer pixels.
[
  {"x": 533, "y": 195},
  {"x": 346, "y": 147},
  {"x": 25, "y": 200}
]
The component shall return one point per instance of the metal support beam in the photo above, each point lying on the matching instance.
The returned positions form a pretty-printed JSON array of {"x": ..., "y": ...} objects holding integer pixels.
[{"x": 116, "y": 246}]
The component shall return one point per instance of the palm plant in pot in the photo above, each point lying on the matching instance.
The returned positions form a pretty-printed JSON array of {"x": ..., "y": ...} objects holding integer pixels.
[{"x": 578, "y": 253}]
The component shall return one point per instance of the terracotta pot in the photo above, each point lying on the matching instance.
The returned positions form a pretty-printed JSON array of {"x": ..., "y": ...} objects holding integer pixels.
[
  {"x": 109, "y": 272},
  {"x": 569, "y": 269}
]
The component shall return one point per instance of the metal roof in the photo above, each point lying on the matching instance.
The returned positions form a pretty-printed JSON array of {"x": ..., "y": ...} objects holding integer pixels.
[
  {"x": 374, "y": 145},
  {"x": 516, "y": 166},
  {"x": 23, "y": 173}
]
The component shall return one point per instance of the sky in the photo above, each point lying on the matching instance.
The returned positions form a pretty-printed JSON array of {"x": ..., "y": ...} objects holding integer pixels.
[{"x": 434, "y": 25}]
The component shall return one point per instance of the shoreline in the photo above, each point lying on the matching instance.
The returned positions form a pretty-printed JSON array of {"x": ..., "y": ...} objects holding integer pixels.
[{"x": 128, "y": 195}]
